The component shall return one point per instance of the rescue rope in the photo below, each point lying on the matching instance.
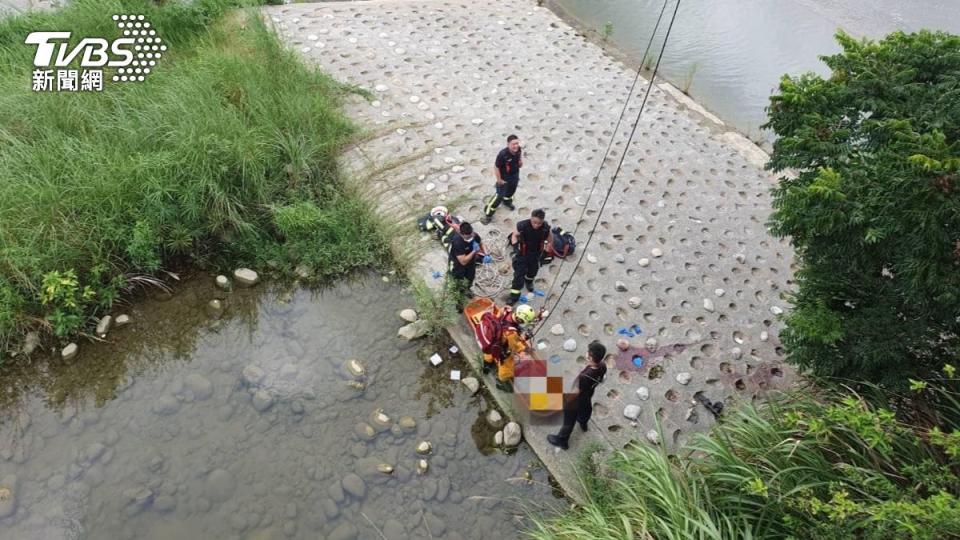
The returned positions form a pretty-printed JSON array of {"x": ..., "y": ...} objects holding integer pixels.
[
  {"x": 606, "y": 152},
  {"x": 623, "y": 156},
  {"x": 490, "y": 278}
]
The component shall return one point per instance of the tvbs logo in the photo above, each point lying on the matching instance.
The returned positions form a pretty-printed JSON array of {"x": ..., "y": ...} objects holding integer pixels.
[{"x": 132, "y": 56}]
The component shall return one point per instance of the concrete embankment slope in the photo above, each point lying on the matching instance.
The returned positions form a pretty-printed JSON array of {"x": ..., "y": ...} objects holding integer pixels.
[{"x": 680, "y": 251}]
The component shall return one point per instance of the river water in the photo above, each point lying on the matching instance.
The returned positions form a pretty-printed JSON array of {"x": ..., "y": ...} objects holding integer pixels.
[
  {"x": 730, "y": 54},
  {"x": 161, "y": 433}
]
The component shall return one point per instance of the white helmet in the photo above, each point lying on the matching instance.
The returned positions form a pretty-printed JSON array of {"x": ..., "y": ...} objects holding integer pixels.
[{"x": 439, "y": 211}]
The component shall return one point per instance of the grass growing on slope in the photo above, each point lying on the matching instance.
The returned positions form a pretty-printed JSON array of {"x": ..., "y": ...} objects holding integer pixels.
[
  {"x": 831, "y": 466},
  {"x": 225, "y": 155}
]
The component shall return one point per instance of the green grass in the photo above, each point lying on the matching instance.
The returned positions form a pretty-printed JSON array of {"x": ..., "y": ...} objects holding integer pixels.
[
  {"x": 827, "y": 465},
  {"x": 225, "y": 155}
]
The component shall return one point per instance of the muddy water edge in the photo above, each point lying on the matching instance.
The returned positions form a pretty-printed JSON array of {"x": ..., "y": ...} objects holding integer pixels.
[{"x": 249, "y": 425}]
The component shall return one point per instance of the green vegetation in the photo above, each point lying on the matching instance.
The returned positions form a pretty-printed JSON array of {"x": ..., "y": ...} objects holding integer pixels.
[
  {"x": 830, "y": 466},
  {"x": 225, "y": 155},
  {"x": 437, "y": 309},
  {"x": 606, "y": 31},
  {"x": 874, "y": 210},
  {"x": 873, "y": 451}
]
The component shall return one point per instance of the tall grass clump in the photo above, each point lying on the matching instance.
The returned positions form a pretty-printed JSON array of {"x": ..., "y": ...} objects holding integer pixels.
[
  {"x": 225, "y": 155},
  {"x": 827, "y": 465}
]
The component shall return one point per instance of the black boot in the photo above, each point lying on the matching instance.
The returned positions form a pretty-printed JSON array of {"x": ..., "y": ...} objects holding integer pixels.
[
  {"x": 529, "y": 286},
  {"x": 557, "y": 441},
  {"x": 583, "y": 426},
  {"x": 509, "y": 205}
]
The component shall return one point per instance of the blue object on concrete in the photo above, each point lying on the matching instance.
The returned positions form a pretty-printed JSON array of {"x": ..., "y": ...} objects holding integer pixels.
[
  {"x": 436, "y": 275},
  {"x": 538, "y": 292},
  {"x": 636, "y": 329},
  {"x": 487, "y": 259},
  {"x": 555, "y": 359},
  {"x": 638, "y": 361},
  {"x": 524, "y": 299}
]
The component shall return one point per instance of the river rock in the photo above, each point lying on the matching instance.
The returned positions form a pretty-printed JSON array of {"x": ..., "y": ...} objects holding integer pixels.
[
  {"x": 365, "y": 431},
  {"x": 393, "y": 530},
  {"x": 651, "y": 343},
  {"x": 246, "y": 277},
  {"x": 557, "y": 329},
  {"x": 344, "y": 531},
  {"x": 653, "y": 436},
  {"x": 104, "y": 326},
  {"x": 354, "y": 485},
  {"x": 223, "y": 282},
  {"x": 262, "y": 400},
  {"x": 355, "y": 368},
  {"x": 385, "y": 468},
  {"x": 570, "y": 345},
  {"x": 471, "y": 383},
  {"x": 736, "y": 353},
  {"x": 776, "y": 310},
  {"x": 631, "y": 411},
  {"x": 219, "y": 486},
  {"x": 200, "y": 386},
  {"x": 708, "y": 304},
  {"x": 380, "y": 421},
  {"x": 495, "y": 419},
  {"x": 414, "y": 330},
  {"x": 512, "y": 433},
  {"x": 407, "y": 423},
  {"x": 684, "y": 377},
  {"x": 69, "y": 352},
  {"x": 409, "y": 315},
  {"x": 253, "y": 375},
  {"x": 634, "y": 302},
  {"x": 498, "y": 438},
  {"x": 643, "y": 393},
  {"x": 166, "y": 405},
  {"x": 719, "y": 292},
  {"x": 764, "y": 336},
  {"x": 8, "y": 496},
  {"x": 122, "y": 320},
  {"x": 422, "y": 466},
  {"x": 644, "y": 262},
  {"x": 620, "y": 286},
  {"x": 424, "y": 448},
  {"x": 656, "y": 252},
  {"x": 214, "y": 309}
]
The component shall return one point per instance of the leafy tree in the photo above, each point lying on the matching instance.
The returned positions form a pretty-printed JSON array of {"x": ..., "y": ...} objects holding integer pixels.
[{"x": 871, "y": 200}]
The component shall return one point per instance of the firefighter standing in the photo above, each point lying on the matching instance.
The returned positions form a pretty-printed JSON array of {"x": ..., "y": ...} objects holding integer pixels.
[
  {"x": 527, "y": 243},
  {"x": 507, "y": 171},
  {"x": 466, "y": 250}
]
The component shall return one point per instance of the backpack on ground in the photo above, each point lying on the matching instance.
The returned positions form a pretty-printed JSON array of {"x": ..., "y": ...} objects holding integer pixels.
[{"x": 564, "y": 244}]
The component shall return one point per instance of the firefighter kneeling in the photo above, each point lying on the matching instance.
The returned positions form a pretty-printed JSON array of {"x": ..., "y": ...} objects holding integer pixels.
[{"x": 501, "y": 335}]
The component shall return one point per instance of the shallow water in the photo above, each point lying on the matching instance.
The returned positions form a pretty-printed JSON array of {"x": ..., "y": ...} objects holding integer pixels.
[
  {"x": 732, "y": 53},
  {"x": 157, "y": 435}
]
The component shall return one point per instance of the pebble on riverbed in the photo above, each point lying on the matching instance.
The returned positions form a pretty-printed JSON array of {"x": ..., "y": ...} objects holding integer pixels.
[
  {"x": 246, "y": 277},
  {"x": 104, "y": 326},
  {"x": 422, "y": 466},
  {"x": 424, "y": 448},
  {"x": 69, "y": 352},
  {"x": 223, "y": 282},
  {"x": 122, "y": 320},
  {"x": 8, "y": 496}
]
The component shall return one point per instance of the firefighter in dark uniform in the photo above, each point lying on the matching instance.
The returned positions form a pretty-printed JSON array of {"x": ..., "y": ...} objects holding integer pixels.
[
  {"x": 507, "y": 170},
  {"x": 527, "y": 243},
  {"x": 466, "y": 250},
  {"x": 579, "y": 409}
]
